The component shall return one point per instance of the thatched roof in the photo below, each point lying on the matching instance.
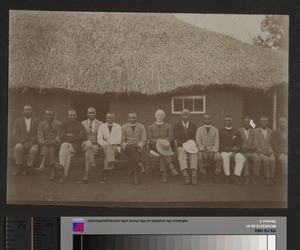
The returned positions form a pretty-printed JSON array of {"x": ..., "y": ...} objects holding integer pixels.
[{"x": 131, "y": 53}]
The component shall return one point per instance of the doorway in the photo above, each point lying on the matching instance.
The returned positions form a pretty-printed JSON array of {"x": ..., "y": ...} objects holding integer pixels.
[{"x": 257, "y": 103}]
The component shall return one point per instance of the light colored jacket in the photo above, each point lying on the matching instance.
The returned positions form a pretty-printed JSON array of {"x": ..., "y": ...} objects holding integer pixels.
[
  {"x": 44, "y": 132},
  {"x": 264, "y": 145},
  {"x": 209, "y": 141},
  {"x": 104, "y": 136},
  {"x": 91, "y": 136},
  {"x": 251, "y": 142},
  {"x": 137, "y": 136}
]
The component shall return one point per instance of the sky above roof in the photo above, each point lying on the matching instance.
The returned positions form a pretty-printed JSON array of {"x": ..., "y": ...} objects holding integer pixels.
[{"x": 241, "y": 27}]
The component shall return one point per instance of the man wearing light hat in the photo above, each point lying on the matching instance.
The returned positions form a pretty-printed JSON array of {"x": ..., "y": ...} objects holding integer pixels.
[
  {"x": 160, "y": 136},
  {"x": 185, "y": 134}
]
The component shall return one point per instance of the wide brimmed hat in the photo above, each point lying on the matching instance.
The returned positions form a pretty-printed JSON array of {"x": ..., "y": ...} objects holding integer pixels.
[
  {"x": 163, "y": 147},
  {"x": 190, "y": 147}
]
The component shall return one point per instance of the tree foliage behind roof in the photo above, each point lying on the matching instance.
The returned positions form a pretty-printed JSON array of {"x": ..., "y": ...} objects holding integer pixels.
[
  {"x": 275, "y": 32},
  {"x": 131, "y": 53}
]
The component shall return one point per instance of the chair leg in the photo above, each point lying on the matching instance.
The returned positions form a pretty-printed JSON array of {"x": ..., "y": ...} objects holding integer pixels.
[
  {"x": 147, "y": 163},
  {"x": 147, "y": 156}
]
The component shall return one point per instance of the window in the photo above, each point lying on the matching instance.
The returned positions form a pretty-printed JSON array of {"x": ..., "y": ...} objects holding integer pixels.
[{"x": 195, "y": 104}]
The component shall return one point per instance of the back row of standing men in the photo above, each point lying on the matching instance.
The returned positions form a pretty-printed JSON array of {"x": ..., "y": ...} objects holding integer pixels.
[{"x": 197, "y": 147}]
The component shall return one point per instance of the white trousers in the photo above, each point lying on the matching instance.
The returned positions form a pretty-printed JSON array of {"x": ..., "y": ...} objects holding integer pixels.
[{"x": 239, "y": 163}]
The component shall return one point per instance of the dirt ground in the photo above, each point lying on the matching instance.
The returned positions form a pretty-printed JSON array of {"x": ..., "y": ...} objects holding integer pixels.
[{"x": 119, "y": 190}]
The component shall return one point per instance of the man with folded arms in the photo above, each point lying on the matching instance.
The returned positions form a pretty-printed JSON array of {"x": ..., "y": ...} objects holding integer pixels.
[
  {"x": 160, "y": 136},
  {"x": 279, "y": 141},
  {"x": 185, "y": 131},
  {"x": 265, "y": 150},
  {"x": 90, "y": 146},
  {"x": 133, "y": 141},
  {"x": 207, "y": 138},
  {"x": 49, "y": 140},
  {"x": 109, "y": 138},
  {"x": 230, "y": 148},
  {"x": 71, "y": 136},
  {"x": 25, "y": 135},
  {"x": 249, "y": 151}
]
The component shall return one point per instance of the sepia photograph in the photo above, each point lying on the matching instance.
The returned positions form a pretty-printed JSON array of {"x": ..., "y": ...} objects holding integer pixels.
[{"x": 117, "y": 109}]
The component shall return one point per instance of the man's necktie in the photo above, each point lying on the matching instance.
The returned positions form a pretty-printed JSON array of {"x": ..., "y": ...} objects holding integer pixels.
[
  {"x": 90, "y": 127},
  {"x": 185, "y": 129},
  {"x": 50, "y": 126},
  {"x": 109, "y": 128}
]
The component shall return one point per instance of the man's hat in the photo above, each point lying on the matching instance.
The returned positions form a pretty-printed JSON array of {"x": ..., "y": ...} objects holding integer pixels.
[
  {"x": 163, "y": 147},
  {"x": 190, "y": 147}
]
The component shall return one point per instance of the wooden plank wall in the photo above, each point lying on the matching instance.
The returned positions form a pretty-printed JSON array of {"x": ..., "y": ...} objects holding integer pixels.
[
  {"x": 60, "y": 103},
  {"x": 219, "y": 102}
]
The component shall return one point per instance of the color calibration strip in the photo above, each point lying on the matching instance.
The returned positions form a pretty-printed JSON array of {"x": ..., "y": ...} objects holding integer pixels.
[{"x": 174, "y": 242}]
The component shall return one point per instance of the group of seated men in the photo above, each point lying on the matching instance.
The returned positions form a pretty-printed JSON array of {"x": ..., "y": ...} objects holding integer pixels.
[{"x": 197, "y": 148}]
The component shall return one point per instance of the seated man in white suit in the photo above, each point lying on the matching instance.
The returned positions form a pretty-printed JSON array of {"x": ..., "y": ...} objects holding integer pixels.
[{"x": 109, "y": 138}]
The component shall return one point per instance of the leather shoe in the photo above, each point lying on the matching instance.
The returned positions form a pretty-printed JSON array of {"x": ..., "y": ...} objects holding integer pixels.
[
  {"x": 136, "y": 180},
  {"x": 247, "y": 182},
  {"x": 203, "y": 177},
  {"x": 227, "y": 179},
  {"x": 52, "y": 176},
  {"x": 237, "y": 180},
  {"x": 25, "y": 171},
  {"x": 86, "y": 177},
  {"x": 186, "y": 179},
  {"x": 266, "y": 182},
  {"x": 143, "y": 170},
  {"x": 217, "y": 178},
  {"x": 174, "y": 171},
  {"x": 63, "y": 180},
  {"x": 194, "y": 180},
  {"x": 164, "y": 177},
  {"x": 104, "y": 175},
  {"x": 18, "y": 170},
  {"x": 255, "y": 181},
  {"x": 111, "y": 165}
]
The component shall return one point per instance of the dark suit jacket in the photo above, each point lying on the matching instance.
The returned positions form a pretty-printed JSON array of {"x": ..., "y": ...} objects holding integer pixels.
[
  {"x": 229, "y": 139},
  {"x": 179, "y": 134},
  {"x": 20, "y": 131},
  {"x": 163, "y": 132},
  {"x": 75, "y": 128},
  {"x": 279, "y": 142}
]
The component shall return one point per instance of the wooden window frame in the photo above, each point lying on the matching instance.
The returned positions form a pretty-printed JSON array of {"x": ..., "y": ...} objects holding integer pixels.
[{"x": 203, "y": 97}]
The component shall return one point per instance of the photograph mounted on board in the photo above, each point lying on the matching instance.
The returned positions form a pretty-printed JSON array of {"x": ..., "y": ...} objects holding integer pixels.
[{"x": 147, "y": 110}]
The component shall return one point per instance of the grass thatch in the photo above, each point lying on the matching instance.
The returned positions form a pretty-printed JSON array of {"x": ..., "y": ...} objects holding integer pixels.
[{"x": 131, "y": 53}]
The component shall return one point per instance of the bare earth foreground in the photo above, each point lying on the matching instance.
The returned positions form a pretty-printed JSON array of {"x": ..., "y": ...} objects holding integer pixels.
[{"x": 151, "y": 192}]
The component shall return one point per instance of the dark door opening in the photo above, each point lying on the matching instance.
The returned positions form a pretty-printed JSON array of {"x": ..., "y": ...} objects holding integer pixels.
[
  {"x": 82, "y": 102},
  {"x": 257, "y": 103}
]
